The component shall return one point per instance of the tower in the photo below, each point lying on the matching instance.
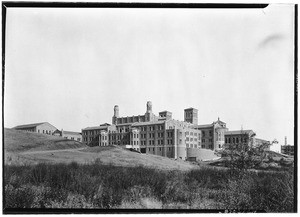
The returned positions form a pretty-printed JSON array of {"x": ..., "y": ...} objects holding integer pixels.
[
  {"x": 149, "y": 107},
  {"x": 116, "y": 115},
  {"x": 191, "y": 115},
  {"x": 149, "y": 115}
]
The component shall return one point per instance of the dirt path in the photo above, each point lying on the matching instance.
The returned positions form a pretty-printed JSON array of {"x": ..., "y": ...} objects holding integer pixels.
[{"x": 52, "y": 151}]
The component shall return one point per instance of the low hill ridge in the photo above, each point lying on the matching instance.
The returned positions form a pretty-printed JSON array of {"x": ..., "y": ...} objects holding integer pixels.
[{"x": 31, "y": 148}]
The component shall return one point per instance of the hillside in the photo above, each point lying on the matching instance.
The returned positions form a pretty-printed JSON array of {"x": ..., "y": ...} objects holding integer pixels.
[
  {"x": 31, "y": 148},
  {"x": 19, "y": 141}
]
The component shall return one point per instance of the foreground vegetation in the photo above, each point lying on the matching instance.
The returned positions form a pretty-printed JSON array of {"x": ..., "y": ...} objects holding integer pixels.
[{"x": 107, "y": 186}]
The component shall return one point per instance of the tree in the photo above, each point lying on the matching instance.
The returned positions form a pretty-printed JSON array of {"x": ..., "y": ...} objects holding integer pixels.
[{"x": 245, "y": 155}]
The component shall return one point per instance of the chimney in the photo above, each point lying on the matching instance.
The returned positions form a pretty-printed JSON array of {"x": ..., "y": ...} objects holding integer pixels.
[{"x": 285, "y": 140}]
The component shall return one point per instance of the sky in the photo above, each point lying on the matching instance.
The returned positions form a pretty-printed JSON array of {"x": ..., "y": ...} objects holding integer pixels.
[{"x": 69, "y": 67}]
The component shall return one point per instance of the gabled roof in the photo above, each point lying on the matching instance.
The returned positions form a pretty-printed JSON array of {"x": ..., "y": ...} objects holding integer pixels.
[
  {"x": 29, "y": 125},
  {"x": 105, "y": 124},
  {"x": 238, "y": 132}
]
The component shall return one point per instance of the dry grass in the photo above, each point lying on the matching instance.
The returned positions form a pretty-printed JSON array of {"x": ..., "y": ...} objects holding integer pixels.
[{"x": 32, "y": 148}]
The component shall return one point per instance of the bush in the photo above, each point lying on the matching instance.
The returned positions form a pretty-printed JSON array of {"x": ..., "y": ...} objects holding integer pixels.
[{"x": 108, "y": 186}]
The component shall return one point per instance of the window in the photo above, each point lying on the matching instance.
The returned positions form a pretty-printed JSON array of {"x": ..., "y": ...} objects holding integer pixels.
[
  {"x": 237, "y": 140},
  {"x": 153, "y": 149},
  {"x": 203, "y": 133},
  {"x": 233, "y": 140},
  {"x": 210, "y": 140},
  {"x": 203, "y": 140},
  {"x": 225, "y": 140},
  {"x": 159, "y": 149},
  {"x": 187, "y": 145}
]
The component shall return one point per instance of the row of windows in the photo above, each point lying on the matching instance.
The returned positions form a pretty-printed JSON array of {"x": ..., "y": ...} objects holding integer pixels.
[
  {"x": 152, "y": 128},
  {"x": 190, "y": 139},
  {"x": 210, "y": 133},
  {"x": 191, "y": 146},
  {"x": 134, "y": 142},
  {"x": 191, "y": 133},
  {"x": 235, "y": 140}
]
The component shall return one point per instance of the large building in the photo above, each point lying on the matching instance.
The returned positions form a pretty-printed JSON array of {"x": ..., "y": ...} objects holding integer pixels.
[
  {"x": 164, "y": 136},
  {"x": 159, "y": 135}
]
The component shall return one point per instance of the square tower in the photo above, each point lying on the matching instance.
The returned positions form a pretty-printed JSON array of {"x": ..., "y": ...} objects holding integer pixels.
[{"x": 191, "y": 115}]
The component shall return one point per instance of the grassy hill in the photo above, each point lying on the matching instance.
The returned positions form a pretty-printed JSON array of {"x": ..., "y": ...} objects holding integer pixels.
[
  {"x": 20, "y": 141},
  {"x": 31, "y": 148}
]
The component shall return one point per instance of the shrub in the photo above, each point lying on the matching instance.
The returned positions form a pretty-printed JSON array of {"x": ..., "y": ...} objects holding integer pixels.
[{"x": 21, "y": 197}]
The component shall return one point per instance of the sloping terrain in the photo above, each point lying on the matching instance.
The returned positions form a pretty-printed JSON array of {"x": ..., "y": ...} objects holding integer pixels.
[
  {"x": 31, "y": 148},
  {"x": 20, "y": 141}
]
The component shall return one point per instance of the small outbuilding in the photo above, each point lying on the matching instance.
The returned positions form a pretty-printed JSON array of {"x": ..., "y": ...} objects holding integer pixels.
[{"x": 43, "y": 127}]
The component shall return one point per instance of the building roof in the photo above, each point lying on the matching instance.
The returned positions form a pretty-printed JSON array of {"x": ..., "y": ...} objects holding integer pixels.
[
  {"x": 190, "y": 108},
  {"x": 96, "y": 128},
  {"x": 29, "y": 125},
  {"x": 105, "y": 124},
  {"x": 148, "y": 123},
  {"x": 125, "y": 124},
  {"x": 238, "y": 132},
  {"x": 204, "y": 126},
  {"x": 71, "y": 132},
  {"x": 165, "y": 111}
]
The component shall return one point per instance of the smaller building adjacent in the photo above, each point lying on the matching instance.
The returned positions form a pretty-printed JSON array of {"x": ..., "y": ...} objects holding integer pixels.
[
  {"x": 43, "y": 127},
  {"x": 49, "y": 129},
  {"x": 69, "y": 135},
  {"x": 287, "y": 149}
]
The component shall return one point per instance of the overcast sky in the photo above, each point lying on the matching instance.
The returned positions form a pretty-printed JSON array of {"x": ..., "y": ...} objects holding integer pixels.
[{"x": 69, "y": 67}]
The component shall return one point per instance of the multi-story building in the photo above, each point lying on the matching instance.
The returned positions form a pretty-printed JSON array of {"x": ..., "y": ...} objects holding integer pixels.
[
  {"x": 164, "y": 136},
  {"x": 237, "y": 139},
  {"x": 213, "y": 135},
  {"x": 159, "y": 135}
]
